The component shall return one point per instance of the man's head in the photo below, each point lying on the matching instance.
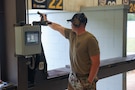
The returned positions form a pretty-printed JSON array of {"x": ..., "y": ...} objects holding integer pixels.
[{"x": 78, "y": 19}]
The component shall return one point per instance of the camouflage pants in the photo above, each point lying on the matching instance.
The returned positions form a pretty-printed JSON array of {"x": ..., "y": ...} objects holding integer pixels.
[{"x": 80, "y": 83}]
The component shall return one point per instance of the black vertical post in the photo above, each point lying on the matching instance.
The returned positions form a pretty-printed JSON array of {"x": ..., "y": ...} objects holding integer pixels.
[
  {"x": 22, "y": 67},
  {"x": 20, "y": 11},
  {"x": 2, "y": 41}
]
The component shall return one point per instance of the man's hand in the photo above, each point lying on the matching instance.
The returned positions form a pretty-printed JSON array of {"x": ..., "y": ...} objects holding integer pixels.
[
  {"x": 53, "y": 25},
  {"x": 43, "y": 16}
]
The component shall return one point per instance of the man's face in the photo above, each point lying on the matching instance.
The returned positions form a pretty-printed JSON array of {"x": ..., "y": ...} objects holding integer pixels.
[{"x": 74, "y": 28}]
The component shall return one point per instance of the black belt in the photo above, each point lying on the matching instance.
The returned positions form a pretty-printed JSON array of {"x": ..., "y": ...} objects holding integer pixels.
[{"x": 81, "y": 75}]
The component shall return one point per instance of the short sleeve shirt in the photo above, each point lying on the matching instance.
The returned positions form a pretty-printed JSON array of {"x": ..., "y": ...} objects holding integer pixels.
[{"x": 81, "y": 48}]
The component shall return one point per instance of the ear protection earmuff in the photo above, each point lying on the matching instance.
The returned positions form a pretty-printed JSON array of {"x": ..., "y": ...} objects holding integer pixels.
[{"x": 78, "y": 19}]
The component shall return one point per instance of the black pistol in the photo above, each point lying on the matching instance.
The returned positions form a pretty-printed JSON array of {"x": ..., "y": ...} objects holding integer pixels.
[{"x": 42, "y": 22}]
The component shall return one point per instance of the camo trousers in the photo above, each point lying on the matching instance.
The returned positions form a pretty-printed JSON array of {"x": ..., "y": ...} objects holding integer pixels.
[{"x": 80, "y": 83}]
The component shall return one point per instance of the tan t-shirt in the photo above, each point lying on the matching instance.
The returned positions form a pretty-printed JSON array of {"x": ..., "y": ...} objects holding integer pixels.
[{"x": 81, "y": 48}]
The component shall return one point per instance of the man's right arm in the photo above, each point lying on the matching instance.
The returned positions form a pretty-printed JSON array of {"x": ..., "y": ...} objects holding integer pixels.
[{"x": 55, "y": 26}]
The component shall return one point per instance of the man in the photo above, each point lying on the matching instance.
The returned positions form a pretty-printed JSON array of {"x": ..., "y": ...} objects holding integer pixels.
[{"x": 84, "y": 53}]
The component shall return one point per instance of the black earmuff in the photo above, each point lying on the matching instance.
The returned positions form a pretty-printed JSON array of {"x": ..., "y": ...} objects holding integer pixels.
[
  {"x": 76, "y": 22},
  {"x": 78, "y": 19}
]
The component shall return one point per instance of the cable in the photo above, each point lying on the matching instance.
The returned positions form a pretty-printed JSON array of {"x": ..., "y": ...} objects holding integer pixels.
[{"x": 32, "y": 64}]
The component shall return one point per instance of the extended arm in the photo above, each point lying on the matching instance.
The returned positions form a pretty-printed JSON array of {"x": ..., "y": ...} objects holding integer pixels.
[{"x": 55, "y": 26}]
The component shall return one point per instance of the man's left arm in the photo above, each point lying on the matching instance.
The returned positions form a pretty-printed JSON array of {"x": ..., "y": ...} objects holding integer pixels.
[{"x": 95, "y": 59}]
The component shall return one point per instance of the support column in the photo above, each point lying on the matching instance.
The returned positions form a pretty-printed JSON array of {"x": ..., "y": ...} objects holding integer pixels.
[
  {"x": 16, "y": 72},
  {"x": 2, "y": 41}
]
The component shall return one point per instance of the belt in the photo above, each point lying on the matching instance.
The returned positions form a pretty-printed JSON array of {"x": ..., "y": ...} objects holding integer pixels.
[
  {"x": 85, "y": 75},
  {"x": 81, "y": 75}
]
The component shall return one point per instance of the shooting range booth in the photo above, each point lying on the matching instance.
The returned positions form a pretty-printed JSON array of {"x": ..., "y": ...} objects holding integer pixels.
[{"x": 107, "y": 23}]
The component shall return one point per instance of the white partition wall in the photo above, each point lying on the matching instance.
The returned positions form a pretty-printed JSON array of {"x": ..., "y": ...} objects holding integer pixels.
[{"x": 109, "y": 24}]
